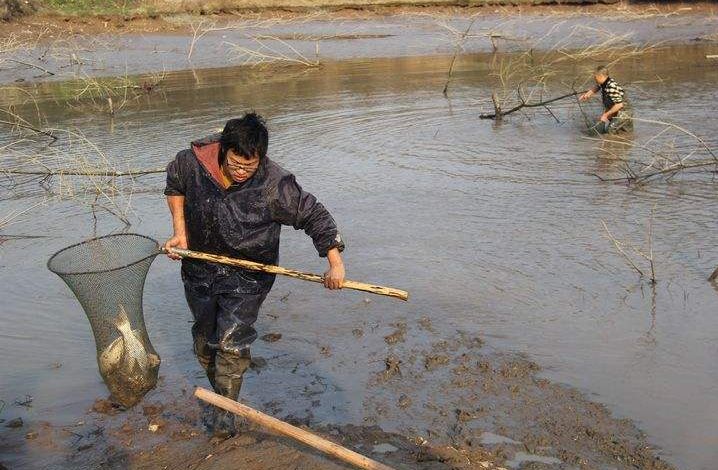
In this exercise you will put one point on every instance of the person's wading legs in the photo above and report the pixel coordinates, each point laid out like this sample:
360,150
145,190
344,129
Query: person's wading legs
235,316
204,310
622,122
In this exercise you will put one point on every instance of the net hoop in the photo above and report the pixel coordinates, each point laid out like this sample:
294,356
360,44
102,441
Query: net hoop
85,242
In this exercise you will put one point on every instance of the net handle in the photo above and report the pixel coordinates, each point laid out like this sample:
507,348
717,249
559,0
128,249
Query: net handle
273,269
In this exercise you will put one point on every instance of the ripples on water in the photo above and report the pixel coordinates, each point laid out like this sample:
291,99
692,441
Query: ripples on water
492,228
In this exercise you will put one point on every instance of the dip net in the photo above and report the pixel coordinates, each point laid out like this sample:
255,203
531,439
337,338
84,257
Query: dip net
107,275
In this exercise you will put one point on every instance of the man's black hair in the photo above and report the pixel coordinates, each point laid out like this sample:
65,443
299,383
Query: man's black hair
246,136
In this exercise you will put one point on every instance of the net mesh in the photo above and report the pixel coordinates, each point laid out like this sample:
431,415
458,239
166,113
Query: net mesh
107,275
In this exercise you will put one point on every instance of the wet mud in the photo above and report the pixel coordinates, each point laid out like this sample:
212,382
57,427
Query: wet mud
501,409
500,414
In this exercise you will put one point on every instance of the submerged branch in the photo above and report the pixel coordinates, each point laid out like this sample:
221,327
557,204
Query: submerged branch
619,248
663,163
29,127
644,177
498,114
28,64
459,45
83,173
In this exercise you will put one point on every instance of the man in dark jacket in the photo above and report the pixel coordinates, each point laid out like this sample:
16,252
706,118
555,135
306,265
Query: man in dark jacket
227,197
617,112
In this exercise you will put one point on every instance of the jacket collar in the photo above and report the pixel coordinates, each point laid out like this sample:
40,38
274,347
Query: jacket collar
206,150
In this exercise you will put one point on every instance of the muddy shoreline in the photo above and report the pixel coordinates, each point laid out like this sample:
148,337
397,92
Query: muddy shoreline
502,414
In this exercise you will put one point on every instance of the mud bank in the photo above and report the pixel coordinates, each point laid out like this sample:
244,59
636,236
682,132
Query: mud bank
455,404
13,8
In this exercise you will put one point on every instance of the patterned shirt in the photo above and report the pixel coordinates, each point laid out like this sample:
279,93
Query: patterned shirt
612,93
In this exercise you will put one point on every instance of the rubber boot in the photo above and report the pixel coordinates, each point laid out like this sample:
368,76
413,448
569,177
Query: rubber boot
208,364
228,381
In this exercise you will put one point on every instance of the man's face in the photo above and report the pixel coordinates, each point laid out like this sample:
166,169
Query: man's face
240,168
600,78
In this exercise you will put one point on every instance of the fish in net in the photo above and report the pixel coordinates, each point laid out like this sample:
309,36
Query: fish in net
107,275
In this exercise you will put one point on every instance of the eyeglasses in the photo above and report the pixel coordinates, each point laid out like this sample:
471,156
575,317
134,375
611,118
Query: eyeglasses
240,167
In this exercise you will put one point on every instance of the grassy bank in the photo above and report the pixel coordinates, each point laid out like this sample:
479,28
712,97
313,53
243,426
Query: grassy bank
152,8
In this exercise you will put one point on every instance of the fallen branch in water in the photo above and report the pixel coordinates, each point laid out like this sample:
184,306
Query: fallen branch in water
28,127
271,49
199,31
82,172
669,155
28,64
621,248
459,46
713,276
498,114
673,169
74,168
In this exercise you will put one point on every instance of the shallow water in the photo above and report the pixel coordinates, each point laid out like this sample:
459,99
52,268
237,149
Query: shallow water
494,229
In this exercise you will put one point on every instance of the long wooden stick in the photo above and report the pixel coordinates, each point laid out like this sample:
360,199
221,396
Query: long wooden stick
268,268
286,429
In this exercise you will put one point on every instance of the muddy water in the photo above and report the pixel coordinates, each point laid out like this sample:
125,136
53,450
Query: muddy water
494,229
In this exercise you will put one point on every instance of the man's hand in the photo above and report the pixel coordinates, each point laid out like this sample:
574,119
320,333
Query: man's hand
586,95
606,117
177,241
334,277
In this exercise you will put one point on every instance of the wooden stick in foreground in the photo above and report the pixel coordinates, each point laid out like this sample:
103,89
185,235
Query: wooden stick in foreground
286,429
268,268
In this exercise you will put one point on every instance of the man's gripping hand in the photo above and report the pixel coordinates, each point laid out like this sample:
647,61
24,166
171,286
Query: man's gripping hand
334,277
586,95
177,241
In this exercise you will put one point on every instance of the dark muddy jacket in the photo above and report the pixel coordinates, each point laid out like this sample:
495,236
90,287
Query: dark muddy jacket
244,220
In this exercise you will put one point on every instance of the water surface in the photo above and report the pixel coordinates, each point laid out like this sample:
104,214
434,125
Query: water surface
494,229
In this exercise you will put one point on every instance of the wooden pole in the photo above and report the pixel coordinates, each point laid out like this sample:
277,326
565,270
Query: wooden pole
268,268
287,429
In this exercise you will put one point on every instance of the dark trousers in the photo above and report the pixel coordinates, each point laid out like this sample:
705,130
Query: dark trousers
222,330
